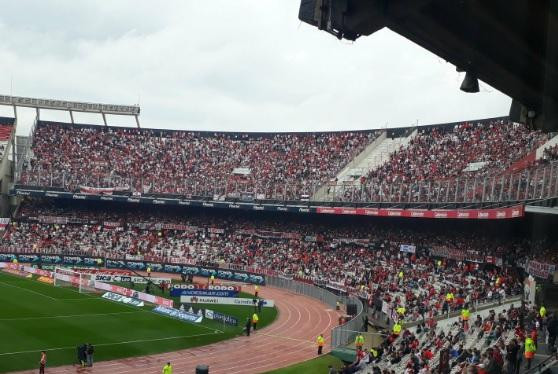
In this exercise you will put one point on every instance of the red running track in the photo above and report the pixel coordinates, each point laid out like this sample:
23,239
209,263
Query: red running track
288,340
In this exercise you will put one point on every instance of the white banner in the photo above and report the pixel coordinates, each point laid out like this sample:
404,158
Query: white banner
223,300
407,248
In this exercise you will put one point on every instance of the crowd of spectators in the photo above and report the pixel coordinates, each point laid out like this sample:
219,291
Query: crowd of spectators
551,153
366,259
349,255
494,342
440,153
189,163
468,162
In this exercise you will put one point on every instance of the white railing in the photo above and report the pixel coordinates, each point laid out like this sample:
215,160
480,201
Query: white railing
535,183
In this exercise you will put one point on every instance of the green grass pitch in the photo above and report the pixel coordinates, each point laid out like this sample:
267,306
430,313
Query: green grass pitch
35,316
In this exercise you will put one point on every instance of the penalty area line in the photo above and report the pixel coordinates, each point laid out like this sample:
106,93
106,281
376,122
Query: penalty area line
110,344
28,290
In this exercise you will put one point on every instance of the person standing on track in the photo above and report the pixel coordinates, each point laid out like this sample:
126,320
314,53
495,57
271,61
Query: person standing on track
248,326
255,320
149,271
320,341
167,369
256,290
89,350
42,363
212,279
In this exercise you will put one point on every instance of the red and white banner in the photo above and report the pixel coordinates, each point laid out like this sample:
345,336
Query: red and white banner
540,269
459,255
499,213
4,222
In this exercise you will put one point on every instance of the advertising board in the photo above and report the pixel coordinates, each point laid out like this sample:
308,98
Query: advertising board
202,271
216,316
175,313
126,278
122,299
196,289
133,293
223,301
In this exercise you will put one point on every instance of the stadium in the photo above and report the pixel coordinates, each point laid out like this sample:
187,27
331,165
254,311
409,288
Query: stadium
418,249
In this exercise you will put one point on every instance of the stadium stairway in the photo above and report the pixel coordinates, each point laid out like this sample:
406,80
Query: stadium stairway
550,143
373,156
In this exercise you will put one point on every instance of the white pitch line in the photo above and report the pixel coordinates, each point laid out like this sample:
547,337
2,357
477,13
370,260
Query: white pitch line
70,316
28,290
109,344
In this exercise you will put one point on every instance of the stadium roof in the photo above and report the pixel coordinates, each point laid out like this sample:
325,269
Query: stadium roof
511,45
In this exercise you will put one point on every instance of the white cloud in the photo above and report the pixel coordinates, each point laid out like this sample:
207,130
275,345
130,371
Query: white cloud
247,65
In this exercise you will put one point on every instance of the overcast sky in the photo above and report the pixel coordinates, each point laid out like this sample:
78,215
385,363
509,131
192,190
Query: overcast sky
242,65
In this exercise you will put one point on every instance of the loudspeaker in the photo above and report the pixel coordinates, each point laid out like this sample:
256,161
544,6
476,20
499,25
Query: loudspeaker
202,369
470,83
351,309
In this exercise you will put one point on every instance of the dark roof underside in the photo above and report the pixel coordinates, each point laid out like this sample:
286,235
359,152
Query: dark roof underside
510,44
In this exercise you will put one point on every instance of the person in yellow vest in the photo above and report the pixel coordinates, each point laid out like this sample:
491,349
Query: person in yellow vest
401,311
397,329
542,311
212,279
149,271
255,320
530,349
449,297
167,369
400,275
465,314
373,355
14,261
359,341
256,290
320,341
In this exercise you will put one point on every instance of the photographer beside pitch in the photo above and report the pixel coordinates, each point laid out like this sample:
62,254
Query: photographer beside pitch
42,363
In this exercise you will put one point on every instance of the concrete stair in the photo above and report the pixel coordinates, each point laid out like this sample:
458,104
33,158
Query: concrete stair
373,156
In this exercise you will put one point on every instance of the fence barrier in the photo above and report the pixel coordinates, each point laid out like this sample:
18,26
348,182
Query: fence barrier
340,335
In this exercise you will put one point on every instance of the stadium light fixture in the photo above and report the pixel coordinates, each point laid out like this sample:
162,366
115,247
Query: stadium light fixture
70,106
132,110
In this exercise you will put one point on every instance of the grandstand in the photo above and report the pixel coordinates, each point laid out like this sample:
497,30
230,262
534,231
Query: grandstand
416,250
472,164
338,214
